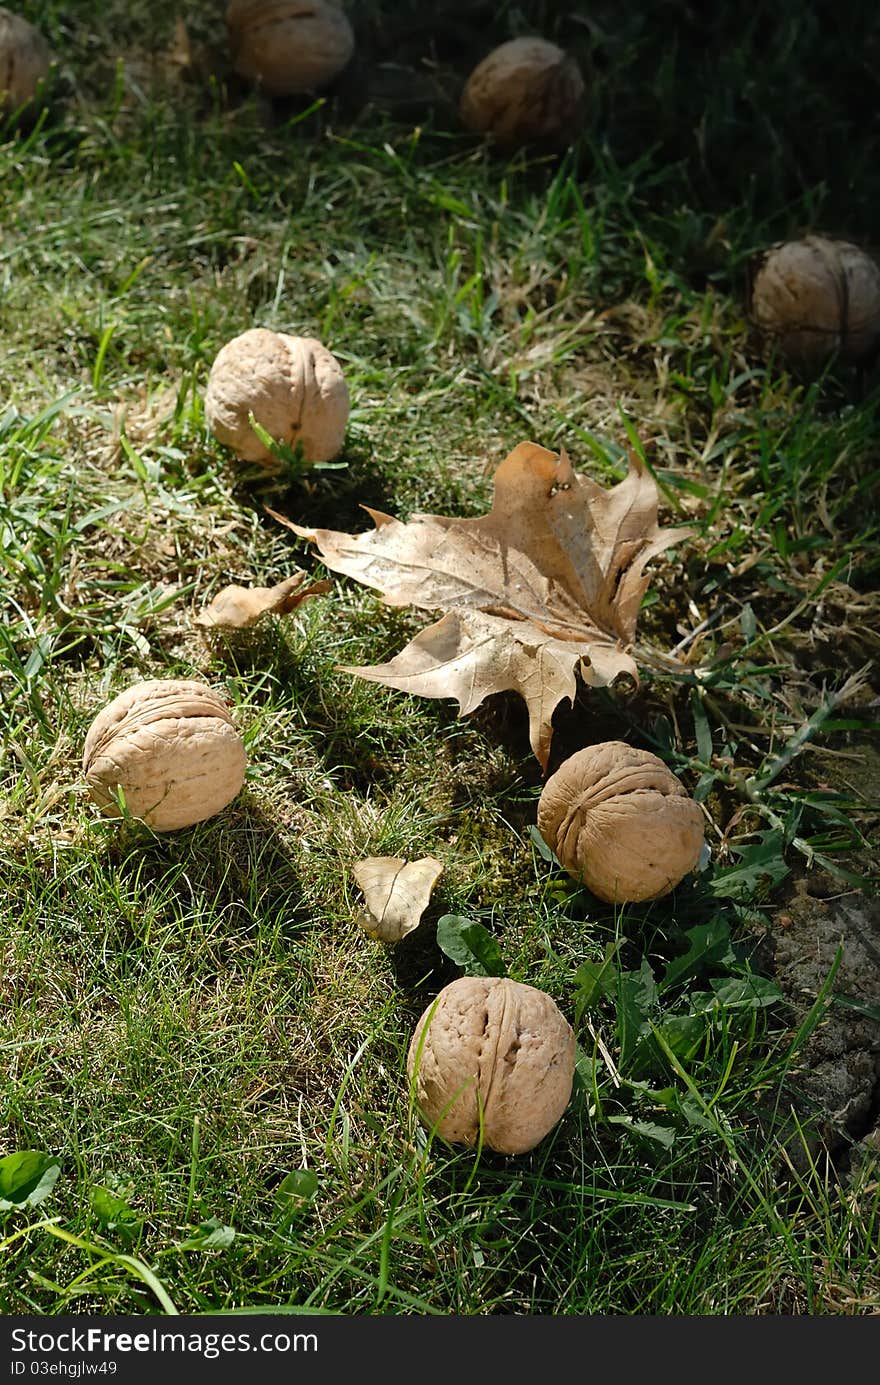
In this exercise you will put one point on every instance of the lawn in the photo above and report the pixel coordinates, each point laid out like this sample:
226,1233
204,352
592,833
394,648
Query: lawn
196,1033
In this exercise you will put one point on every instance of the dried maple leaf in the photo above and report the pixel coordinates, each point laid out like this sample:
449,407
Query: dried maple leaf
397,893
544,586
235,608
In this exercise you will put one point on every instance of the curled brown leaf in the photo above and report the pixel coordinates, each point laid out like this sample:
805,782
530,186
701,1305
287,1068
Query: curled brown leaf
235,607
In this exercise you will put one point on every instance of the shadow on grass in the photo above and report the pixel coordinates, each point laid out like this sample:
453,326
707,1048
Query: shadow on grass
356,741
319,499
419,967
220,878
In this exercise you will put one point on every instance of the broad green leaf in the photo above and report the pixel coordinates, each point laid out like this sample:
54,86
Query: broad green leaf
683,1033
761,868
113,1211
660,1096
693,1113
586,1069
704,787
707,945
595,980
541,846
296,1191
470,946
211,1235
26,1178
636,1000
744,992
663,1134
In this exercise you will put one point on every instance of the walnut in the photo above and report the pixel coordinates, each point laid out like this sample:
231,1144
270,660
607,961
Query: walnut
496,1047
818,297
171,746
25,59
527,89
289,46
620,822
294,388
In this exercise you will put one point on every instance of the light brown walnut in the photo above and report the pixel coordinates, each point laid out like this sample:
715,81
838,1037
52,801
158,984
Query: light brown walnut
621,822
171,747
294,388
493,1049
25,60
289,47
525,90
818,297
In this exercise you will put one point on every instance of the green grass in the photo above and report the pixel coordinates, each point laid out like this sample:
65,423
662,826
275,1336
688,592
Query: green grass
186,1020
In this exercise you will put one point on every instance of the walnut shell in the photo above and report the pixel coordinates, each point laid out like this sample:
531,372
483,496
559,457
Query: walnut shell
25,59
171,746
620,822
526,89
294,388
498,1045
818,297
288,46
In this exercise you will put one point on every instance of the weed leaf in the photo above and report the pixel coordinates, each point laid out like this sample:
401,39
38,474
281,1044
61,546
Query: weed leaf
595,980
708,945
636,1000
211,1235
113,1211
662,1134
541,846
761,868
26,1178
296,1192
470,945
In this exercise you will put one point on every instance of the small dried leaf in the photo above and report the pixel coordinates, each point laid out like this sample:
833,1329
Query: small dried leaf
235,608
397,893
